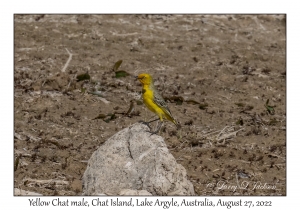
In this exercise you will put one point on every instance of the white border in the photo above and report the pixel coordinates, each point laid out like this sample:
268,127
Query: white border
153,6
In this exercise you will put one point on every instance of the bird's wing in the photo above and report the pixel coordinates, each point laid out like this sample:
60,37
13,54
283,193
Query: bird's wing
159,100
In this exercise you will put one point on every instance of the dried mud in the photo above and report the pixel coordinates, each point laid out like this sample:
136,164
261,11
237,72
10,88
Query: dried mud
223,76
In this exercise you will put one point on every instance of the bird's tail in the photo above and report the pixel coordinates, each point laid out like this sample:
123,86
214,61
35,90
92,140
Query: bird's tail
171,118
176,123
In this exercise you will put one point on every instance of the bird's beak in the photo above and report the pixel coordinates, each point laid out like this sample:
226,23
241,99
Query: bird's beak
136,77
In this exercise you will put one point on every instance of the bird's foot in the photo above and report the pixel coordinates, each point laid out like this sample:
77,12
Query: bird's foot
157,129
145,123
152,132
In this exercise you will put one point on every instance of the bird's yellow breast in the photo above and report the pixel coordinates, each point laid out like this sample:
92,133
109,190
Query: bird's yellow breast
148,99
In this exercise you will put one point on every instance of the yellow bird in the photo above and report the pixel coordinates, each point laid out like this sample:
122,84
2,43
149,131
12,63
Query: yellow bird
154,101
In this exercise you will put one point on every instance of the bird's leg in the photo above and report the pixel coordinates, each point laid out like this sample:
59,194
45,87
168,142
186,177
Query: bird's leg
153,120
147,123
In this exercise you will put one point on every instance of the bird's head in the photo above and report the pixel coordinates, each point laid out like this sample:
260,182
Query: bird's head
145,79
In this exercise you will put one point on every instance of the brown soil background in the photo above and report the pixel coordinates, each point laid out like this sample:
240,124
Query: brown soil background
216,71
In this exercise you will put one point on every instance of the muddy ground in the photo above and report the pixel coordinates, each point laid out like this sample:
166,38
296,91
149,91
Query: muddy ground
224,77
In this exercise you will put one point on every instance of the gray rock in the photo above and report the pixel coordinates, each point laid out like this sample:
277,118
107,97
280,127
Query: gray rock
18,192
134,192
136,160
